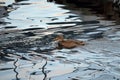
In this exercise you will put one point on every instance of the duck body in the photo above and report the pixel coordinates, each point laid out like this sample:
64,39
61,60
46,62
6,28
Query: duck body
67,43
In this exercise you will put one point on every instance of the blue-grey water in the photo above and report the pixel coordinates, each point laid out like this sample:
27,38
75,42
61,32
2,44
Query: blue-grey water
35,14
26,43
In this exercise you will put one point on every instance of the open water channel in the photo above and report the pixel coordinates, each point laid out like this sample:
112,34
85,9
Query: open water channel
26,43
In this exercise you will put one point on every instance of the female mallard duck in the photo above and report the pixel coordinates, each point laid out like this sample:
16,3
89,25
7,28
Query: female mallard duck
67,43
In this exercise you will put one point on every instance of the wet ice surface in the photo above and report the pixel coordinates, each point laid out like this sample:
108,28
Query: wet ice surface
27,53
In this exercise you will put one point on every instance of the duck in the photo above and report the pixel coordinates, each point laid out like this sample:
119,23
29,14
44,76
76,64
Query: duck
67,43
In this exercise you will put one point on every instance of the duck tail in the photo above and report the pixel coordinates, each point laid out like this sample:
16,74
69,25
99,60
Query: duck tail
80,42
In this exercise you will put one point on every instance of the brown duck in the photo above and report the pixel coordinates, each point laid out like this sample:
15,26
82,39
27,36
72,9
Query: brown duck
67,43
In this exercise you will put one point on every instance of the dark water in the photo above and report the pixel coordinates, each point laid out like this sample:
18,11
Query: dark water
27,51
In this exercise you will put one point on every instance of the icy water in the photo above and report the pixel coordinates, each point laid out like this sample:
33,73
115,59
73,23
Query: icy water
27,51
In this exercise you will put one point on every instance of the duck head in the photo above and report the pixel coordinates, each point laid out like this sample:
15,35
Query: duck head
59,38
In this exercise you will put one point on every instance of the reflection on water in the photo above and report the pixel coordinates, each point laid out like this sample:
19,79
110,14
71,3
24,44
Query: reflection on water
29,54
107,10
35,14
15,70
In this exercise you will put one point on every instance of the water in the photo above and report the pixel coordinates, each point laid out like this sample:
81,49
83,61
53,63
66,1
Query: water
35,14
26,43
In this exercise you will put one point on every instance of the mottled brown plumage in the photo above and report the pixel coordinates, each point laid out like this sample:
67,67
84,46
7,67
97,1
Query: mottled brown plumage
67,43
